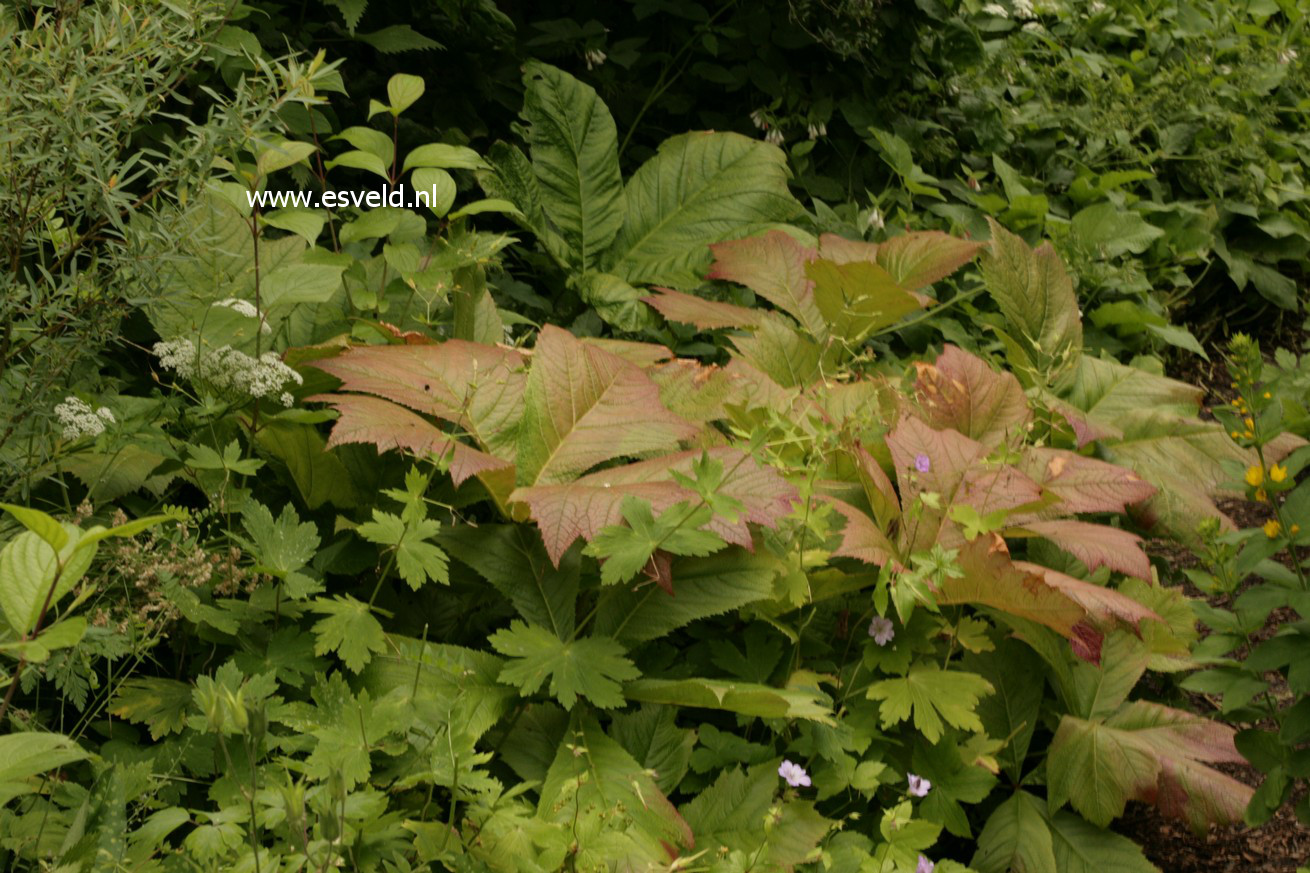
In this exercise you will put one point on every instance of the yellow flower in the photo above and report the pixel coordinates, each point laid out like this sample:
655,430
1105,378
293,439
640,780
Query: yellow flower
1250,424
1254,475
1294,529
1261,496
1268,396
1249,434
1277,473
1235,435
1272,528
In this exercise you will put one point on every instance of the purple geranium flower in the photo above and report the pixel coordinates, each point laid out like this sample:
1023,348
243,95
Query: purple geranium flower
794,774
881,630
919,786
922,463
925,866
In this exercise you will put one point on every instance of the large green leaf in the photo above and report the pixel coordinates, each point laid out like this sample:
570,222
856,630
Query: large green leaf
589,667
1110,232
24,755
745,698
1016,838
1150,753
593,773
512,558
1012,711
1036,296
704,587
28,570
934,697
447,683
1184,458
652,736
739,812
858,298
1107,390
1082,847
699,188
1022,836
574,148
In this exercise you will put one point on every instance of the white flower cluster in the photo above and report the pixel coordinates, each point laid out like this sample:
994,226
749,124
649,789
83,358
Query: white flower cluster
228,370
1287,55
246,308
1023,8
996,10
818,130
80,421
594,58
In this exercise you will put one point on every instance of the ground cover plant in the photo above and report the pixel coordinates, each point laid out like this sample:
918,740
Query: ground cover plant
624,506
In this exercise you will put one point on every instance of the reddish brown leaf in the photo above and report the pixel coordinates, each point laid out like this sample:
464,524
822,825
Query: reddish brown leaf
1085,484
583,406
961,391
365,419
914,260
1096,545
861,539
1104,606
642,354
773,266
477,387
407,337
659,569
992,579
705,314
1151,753
582,507
918,259
695,391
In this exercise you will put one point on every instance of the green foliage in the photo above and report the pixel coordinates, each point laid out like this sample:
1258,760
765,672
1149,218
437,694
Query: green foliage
827,562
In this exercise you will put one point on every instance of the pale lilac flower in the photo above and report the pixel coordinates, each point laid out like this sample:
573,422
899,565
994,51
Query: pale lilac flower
881,630
925,866
794,774
922,463
919,786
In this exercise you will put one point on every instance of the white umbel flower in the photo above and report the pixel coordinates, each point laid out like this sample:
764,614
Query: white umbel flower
995,9
1023,8
246,308
79,420
229,370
